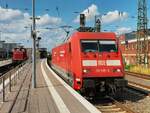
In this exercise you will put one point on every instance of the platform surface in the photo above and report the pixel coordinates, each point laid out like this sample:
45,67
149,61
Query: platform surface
51,95
5,62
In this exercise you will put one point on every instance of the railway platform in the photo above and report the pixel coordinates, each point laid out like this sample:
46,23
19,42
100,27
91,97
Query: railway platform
5,62
51,95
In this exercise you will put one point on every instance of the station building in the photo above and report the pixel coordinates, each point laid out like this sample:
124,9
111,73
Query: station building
6,49
128,45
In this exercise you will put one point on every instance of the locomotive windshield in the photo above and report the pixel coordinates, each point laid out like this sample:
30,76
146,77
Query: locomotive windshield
98,46
89,45
107,46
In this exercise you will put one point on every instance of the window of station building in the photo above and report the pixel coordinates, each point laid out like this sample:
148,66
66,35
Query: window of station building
126,47
136,46
132,46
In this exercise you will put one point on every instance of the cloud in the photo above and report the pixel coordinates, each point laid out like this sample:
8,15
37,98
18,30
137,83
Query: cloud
113,16
109,17
123,30
90,13
9,14
48,20
13,22
53,37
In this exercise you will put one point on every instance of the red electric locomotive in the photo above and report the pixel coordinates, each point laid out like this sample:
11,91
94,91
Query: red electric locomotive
19,54
91,62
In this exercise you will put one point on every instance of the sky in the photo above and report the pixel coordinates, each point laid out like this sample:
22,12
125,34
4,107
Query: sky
117,16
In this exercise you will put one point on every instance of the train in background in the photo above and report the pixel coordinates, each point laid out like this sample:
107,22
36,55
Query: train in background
19,54
43,52
12,51
90,61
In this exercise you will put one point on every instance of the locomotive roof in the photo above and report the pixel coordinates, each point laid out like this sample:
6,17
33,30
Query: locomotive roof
19,48
94,35
90,35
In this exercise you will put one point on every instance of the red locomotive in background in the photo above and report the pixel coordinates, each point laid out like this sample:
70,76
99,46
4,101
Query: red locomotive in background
91,62
19,54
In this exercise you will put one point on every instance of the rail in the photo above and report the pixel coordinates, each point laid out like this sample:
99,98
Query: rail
139,75
113,106
9,79
145,88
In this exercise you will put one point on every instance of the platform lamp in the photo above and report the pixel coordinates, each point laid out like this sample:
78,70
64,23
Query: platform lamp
38,42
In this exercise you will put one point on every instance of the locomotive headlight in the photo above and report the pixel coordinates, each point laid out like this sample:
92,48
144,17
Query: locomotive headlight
78,79
116,70
86,71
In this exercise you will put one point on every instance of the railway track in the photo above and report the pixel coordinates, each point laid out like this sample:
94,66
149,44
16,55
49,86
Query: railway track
139,85
117,104
143,76
111,105
6,68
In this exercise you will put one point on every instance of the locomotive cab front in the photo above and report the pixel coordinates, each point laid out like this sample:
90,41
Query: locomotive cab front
102,66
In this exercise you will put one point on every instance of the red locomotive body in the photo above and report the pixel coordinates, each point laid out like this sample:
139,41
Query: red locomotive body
90,62
19,54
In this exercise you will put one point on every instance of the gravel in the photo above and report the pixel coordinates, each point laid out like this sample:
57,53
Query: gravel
136,102
141,106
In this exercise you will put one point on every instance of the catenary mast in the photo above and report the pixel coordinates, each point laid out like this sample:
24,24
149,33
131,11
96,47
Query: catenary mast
142,34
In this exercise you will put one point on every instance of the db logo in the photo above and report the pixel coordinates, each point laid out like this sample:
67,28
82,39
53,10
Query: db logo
101,62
